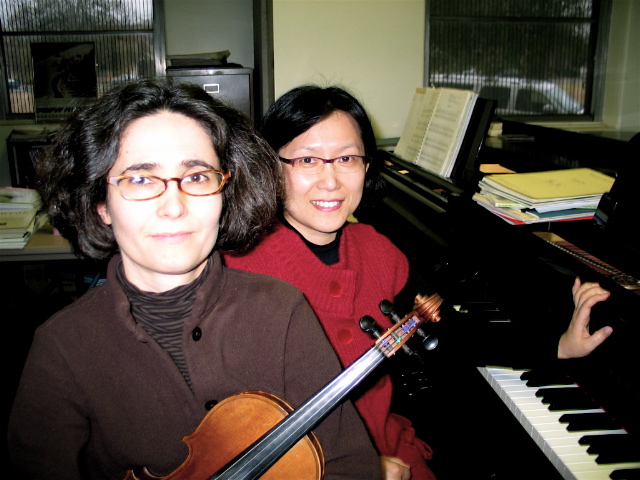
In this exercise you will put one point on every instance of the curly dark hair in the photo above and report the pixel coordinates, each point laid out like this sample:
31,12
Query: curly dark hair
71,177
301,108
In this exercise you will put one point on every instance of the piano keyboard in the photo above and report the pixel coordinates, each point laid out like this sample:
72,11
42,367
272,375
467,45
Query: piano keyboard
544,411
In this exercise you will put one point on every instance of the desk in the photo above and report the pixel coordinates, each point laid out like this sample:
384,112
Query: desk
43,246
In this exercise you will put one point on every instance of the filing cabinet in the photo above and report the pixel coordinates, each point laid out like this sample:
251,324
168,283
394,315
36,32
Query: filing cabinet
234,86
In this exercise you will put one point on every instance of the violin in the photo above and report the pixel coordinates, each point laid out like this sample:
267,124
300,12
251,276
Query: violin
276,440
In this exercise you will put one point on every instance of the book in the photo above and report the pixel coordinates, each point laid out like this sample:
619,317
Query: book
552,184
19,237
435,127
13,243
18,207
16,218
500,199
18,232
11,196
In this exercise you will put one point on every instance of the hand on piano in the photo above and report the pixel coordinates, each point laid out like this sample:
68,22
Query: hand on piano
394,469
577,341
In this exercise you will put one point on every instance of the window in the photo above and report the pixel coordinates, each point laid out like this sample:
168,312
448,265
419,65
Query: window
537,58
125,39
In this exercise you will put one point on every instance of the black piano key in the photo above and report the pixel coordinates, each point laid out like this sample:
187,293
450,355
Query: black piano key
625,474
589,421
565,399
541,378
617,456
615,440
616,448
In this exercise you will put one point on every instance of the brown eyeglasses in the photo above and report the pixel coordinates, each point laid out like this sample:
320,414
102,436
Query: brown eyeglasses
145,187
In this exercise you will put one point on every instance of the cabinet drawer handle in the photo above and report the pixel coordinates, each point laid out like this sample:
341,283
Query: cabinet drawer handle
211,87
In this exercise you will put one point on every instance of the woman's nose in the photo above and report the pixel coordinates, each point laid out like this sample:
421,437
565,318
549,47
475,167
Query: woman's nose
328,178
173,200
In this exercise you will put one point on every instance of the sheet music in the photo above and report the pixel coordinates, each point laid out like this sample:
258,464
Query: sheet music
416,125
446,130
435,127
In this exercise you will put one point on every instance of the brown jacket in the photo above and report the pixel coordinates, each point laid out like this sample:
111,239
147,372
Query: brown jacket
98,395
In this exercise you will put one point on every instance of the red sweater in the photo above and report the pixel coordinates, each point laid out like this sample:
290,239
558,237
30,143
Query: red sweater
370,269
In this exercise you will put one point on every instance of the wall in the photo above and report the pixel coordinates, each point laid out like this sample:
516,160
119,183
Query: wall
201,26
374,48
622,90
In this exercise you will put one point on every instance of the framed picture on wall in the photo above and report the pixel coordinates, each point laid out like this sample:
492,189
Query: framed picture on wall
64,77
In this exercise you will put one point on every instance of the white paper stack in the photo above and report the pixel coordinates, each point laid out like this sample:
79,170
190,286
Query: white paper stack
19,216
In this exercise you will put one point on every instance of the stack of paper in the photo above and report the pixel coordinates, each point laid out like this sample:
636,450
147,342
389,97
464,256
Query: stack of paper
199,59
19,216
544,196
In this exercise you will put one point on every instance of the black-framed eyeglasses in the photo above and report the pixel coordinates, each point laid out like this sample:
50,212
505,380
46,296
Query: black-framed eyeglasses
145,187
341,164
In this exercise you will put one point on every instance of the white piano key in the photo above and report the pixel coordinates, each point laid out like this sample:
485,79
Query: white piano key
598,474
588,471
602,472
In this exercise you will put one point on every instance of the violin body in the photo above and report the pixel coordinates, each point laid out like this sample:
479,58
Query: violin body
233,425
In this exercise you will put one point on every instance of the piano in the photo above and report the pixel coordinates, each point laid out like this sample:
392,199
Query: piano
480,402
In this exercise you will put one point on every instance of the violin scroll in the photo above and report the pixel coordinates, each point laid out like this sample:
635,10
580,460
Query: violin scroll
428,308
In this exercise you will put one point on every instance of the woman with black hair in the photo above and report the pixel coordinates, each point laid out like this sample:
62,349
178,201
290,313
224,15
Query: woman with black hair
327,146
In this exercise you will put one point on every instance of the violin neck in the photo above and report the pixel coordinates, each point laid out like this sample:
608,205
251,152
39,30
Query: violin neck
266,451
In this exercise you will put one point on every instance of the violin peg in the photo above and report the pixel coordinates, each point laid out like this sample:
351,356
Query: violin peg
369,325
387,308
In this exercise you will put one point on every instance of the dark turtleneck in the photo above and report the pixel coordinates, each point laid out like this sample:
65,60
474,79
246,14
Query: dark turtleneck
328,254
162,315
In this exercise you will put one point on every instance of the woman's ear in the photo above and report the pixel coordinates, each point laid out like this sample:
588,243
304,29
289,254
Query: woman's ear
103,211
